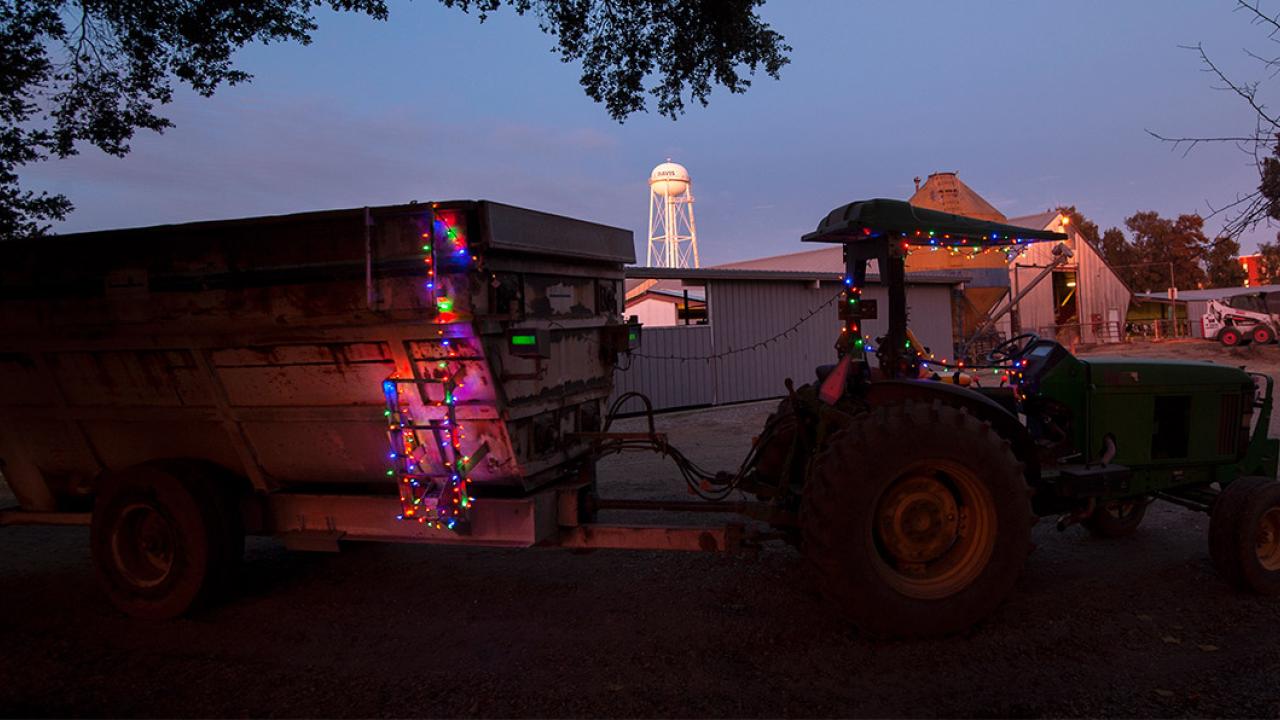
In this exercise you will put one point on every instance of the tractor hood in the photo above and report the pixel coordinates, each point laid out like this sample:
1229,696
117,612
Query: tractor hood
1115,372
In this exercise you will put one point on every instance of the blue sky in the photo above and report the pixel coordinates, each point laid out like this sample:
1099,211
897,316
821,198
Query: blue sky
1034,103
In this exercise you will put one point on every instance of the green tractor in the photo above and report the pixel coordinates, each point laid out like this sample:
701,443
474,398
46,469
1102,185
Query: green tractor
914,498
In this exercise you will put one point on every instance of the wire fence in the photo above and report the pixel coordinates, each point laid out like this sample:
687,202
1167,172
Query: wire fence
1104,333
1158,329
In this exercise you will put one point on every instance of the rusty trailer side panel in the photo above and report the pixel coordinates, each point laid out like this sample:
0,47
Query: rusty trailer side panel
261,345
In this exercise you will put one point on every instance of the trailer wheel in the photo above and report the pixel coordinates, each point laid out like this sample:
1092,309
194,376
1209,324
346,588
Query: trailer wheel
1230,337
1116,519
1244,535
165,538
1262,335
917,520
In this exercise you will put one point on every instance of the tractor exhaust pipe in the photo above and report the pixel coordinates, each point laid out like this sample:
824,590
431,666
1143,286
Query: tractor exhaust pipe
1108,450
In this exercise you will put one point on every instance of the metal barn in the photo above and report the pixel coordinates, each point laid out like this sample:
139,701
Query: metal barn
1084,299
755,337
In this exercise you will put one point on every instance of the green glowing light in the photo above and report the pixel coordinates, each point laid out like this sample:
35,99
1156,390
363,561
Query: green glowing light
444,304
524,340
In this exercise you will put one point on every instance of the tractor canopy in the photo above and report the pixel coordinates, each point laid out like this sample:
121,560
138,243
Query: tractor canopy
901,221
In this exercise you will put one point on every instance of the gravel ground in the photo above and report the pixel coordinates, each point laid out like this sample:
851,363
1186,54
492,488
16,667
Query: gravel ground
1137,627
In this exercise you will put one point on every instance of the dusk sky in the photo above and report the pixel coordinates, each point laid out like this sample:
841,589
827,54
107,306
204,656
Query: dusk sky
1034,103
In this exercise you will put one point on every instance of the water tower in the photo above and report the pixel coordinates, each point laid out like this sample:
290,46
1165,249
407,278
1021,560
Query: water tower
673,238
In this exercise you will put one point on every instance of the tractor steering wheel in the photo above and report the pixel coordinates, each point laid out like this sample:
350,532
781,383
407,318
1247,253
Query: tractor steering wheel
1012,349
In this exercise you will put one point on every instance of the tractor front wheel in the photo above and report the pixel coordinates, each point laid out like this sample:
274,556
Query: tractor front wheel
916,518
1230,337
1116,519
1244,534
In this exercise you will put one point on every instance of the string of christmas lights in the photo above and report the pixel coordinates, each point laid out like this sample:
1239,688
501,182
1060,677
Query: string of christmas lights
748,348
434,478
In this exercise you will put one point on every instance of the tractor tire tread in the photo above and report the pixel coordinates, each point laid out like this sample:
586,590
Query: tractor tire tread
1233,521
872,445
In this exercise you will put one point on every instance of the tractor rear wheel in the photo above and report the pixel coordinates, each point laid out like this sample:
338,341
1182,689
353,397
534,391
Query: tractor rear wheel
1230,337
1116,519
917,520
1244,535
1262,335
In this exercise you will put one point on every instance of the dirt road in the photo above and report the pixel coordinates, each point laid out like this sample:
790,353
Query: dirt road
1139,627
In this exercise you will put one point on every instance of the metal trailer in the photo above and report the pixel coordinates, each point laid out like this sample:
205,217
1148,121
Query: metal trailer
430,373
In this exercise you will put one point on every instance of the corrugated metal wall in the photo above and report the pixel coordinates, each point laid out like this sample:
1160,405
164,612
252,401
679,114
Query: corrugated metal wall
1103,297
1035,309
1195,316
669,383
746,312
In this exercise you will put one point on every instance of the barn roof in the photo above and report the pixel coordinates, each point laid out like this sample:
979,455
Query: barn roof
944,191
1211,293
637,287
720,273
824,259
1038,220
696,294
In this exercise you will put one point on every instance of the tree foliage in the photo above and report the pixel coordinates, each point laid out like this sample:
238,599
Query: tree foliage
688,45
1261,143
1172,250
1086,227
1269,263
1222,264
1162,250
1118,252
93,72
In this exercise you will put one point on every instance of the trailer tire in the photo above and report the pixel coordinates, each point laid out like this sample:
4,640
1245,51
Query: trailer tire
1262,335
917,520
166,537
1116,519
1244,535
1230,336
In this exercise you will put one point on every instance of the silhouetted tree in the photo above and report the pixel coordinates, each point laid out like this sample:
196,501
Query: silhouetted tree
95,71
1120,255
1088,229
1262,142
1222,265
1269,263
1161,243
